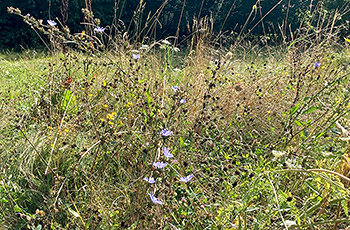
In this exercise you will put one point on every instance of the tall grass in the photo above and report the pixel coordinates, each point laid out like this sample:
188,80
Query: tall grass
254,126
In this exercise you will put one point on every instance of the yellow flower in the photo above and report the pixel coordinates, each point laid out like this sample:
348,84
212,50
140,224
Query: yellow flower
110,116
82,33
129,104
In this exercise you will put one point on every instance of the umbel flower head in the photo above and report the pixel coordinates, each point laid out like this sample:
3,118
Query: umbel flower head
154,199
51,22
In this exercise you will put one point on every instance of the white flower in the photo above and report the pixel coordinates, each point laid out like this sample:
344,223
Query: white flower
154,199
166,42
292,164
51,22
186,179
327,154
99,29
159,165
167,153
144,47
150,180
278,154
289,223
175,88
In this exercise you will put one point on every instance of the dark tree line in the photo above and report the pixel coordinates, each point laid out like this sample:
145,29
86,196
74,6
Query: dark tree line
174,17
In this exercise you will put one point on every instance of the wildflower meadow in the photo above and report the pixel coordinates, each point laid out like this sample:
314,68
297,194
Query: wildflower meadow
103,131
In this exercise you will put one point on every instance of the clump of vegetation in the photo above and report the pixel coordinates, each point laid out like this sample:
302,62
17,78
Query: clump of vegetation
151,137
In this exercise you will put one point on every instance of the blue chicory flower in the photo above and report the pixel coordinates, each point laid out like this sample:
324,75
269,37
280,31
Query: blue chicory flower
167,153
150,180
186,179
183,101
136,56
51,22
317,64
175,88
154,199
99,29
166,133
159,165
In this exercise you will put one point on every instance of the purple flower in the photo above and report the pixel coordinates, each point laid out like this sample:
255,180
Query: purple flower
166,133
175,88
150,180
159,165
317,64
154,199
136,56
183,101
167,153
186,179
51,22
99,29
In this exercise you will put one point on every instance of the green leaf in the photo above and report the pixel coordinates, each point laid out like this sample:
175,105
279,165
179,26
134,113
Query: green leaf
345,207
17,209
294,109
310,110
149,99
68,102
182,142
298,123
321,134
304,134
55,99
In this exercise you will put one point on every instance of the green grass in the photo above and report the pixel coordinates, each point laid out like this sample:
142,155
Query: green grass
74,155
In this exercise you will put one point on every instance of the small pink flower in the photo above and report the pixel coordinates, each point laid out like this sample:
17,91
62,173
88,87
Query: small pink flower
175,161
183,199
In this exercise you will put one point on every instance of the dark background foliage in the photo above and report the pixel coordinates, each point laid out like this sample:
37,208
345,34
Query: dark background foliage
227,15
